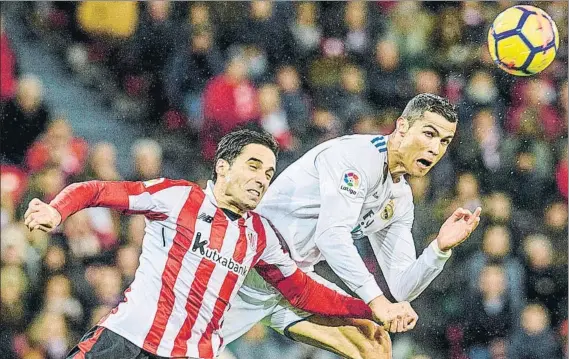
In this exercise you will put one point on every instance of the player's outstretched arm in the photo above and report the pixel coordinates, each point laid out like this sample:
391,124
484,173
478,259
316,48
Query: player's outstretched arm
135,197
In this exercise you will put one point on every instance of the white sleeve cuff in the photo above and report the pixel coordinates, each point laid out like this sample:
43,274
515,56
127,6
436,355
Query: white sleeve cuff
434,257
369,290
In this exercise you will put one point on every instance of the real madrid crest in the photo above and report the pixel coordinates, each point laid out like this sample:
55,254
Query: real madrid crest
388,210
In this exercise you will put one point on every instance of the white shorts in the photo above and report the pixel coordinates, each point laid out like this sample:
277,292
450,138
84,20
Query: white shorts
257,301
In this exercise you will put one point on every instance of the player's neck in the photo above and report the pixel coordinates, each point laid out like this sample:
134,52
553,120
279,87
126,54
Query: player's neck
394,164
224,201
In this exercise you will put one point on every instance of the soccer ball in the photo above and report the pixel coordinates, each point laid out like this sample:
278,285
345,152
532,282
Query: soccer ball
523,40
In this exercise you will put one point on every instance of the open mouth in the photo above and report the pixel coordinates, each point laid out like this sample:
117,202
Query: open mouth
424,163
254,192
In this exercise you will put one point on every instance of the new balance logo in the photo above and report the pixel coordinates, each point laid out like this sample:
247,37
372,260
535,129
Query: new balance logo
205,217
200,248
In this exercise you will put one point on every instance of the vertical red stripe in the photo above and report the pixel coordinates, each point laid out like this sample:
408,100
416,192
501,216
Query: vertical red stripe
204,346
199,285
261,238
86,345
181,244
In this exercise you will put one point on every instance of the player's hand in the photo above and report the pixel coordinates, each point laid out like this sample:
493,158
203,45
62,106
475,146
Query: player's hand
395,317
42,216
457,228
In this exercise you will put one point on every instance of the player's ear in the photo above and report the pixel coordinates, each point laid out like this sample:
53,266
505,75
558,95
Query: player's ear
402,126
221,167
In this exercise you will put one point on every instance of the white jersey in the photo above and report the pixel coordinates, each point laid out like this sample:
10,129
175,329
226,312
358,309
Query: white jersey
341,191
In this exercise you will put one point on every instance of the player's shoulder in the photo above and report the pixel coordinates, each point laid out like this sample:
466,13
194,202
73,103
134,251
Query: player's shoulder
158,184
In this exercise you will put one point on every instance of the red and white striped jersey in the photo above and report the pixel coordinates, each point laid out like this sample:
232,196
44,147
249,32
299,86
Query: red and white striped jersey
194,259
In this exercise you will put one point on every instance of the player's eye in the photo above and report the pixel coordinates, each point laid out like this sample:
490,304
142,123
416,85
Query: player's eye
429,134
253,167
445,142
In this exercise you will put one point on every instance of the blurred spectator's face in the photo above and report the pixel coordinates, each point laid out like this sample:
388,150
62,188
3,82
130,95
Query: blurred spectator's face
261,10
148,164
467,186
323,119
58,287
12,284
201,42
355,15
534,319
419,186
492,281
483,123
237,70
556,216
103,161
288,80
427,81
306,13
244,182
199,14
59,133
159,10
481,87
525,162
450,25
14,245
387,55
51,181
136,225
269,100
366,125
352,79
108,285
536,92
29,94
127,260
54,258
539,251
496,242
420,143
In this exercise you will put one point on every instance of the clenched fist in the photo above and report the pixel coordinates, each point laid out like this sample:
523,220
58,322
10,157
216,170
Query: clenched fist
42,216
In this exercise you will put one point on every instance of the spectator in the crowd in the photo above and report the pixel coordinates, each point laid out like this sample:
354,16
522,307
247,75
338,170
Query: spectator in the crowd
357,38
351,103
8,66
324,125
229,100
305,31
496,249
102,163
189,69
389,85
272,117
545,283
561,173
51,332
147,159
81,237
152,44
535,339
428,81
489,312
536,99
58,299
107,283
43,185
555,227
60,148
480,93
24,118
294,100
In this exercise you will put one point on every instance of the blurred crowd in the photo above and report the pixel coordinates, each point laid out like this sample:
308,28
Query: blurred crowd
305,72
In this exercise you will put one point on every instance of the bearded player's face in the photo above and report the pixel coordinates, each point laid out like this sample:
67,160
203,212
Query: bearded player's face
425,143
249,176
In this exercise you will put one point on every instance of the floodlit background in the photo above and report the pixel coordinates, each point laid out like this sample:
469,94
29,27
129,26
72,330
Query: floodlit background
135,91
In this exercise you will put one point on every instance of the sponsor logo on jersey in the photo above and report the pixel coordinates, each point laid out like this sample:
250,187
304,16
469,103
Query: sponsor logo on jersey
199,247
350,183
387,211
205,217
152,182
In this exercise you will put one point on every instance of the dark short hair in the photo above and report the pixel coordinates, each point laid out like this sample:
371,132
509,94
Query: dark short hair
429,102
231,145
